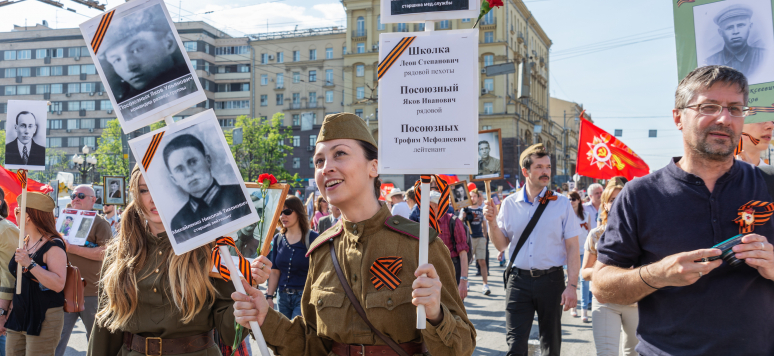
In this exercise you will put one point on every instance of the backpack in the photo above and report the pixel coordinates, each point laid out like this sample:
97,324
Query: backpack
452,222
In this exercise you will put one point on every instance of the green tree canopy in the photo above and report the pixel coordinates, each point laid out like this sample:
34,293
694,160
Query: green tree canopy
110,153
263,148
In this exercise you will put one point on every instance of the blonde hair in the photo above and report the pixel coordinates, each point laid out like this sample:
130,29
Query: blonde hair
609,190
127,254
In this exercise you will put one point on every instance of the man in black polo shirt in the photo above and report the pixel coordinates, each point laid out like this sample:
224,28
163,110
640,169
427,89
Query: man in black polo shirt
662,224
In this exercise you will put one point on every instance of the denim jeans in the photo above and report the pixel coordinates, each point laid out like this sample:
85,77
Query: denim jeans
585,296
2,345
290,304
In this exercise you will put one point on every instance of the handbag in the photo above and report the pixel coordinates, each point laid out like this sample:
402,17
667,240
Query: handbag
73,289
523,239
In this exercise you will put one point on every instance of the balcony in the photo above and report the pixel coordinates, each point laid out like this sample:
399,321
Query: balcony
305,106
359,35
488,25
280,86
328,83
295,106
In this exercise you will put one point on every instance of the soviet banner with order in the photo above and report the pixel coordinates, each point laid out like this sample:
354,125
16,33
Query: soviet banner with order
602,156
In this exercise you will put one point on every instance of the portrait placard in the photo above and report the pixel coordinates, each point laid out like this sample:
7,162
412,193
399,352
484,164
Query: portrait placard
74,225
54,194
25,135
99,192
428,102
401,11
490,156
271,206
460,196
114,190
142,63
734,33
194,181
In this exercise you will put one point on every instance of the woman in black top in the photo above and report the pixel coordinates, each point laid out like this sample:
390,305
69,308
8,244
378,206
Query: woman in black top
36,319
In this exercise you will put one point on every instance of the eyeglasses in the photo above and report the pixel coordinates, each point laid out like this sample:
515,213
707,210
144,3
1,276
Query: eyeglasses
716,109
79,196
287,212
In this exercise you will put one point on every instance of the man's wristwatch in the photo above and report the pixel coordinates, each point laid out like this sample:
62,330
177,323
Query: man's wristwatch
463,278
3,312
270,296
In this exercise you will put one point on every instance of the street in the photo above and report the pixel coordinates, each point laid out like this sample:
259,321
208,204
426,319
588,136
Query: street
486,312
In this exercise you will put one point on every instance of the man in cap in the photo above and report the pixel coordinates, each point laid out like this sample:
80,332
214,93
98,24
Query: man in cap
399,207
734,27
142,51
23,150
486,163
536,278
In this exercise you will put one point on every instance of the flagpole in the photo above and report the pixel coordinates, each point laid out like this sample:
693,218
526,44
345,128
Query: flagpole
424,242
22,221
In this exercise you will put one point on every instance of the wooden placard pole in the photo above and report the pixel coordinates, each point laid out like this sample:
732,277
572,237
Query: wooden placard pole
225,257
424,243
22,221
488,189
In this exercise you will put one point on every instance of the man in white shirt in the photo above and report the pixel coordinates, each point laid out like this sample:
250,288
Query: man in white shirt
399,207
592,207
536,280
755,140
112,217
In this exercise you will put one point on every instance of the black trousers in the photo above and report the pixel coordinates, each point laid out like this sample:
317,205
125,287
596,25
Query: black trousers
457,268
526,295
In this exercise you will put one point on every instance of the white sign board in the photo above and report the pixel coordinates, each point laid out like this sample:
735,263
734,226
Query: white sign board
428,102
74,225
395,11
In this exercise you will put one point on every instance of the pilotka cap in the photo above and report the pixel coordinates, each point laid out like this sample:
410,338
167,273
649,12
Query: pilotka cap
38,201
345,126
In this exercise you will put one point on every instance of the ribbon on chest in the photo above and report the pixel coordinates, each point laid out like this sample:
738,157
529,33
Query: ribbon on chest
748,218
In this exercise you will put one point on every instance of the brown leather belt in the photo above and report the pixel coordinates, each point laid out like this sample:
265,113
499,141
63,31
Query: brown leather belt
153,346
411,348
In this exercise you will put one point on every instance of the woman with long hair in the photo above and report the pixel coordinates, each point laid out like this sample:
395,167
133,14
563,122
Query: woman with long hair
9,237
321,211
150,297
288,256
37,314
370,259
585,219
609,319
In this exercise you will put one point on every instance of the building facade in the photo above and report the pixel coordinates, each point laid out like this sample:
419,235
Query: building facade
565,117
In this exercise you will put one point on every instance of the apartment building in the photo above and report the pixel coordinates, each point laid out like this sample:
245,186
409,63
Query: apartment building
565,124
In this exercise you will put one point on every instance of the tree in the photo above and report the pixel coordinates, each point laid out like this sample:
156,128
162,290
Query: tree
56,161
263,148
2,149
110,151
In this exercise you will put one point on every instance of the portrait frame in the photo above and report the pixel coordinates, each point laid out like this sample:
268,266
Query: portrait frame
106,181
54,194
99,192
279,190
495,139
37,156
457,205
168,91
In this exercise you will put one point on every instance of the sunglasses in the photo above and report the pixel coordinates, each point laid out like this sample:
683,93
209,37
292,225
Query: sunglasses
287,212
573,199
79,196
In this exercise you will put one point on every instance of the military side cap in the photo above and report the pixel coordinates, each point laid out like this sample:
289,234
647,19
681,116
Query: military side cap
531,150
38,201
732,11
345,125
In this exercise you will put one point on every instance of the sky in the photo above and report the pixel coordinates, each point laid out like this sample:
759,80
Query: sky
617,59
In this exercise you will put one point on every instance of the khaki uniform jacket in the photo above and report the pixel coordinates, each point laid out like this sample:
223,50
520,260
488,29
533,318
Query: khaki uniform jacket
489,166
157,315
327,314
9,242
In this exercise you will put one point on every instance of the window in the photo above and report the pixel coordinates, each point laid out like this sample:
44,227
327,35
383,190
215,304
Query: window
444,25
232,104
74,70
296,77
329,76
296,120
280,99
489,85
421,26
360,31
312,76
312,140
10,72
359,112
55,124
56,70
87,124
488,36
379,24
296,98
74,52
344,50
10,90
73,88
264,79
264,100
42,89
652,133
88,87
103,123
243,68
88,69
56,106
105,105
313,97
23,90
244,86
56,88
486,127
54,141
9,55
73,106
361,47
57,53
296,56
402,27
296,141
488,18
329,96
88,105
90,141
41,53
312,54
280,57
43,71
328,53
264,58
488,60
618,133
23,72
311,161
72,124
488,108
296,162
190,46
465,20
220,51
280,80
360,94
359,70
73,142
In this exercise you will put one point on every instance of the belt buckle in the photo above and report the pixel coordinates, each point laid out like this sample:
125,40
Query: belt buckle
532,273
161,342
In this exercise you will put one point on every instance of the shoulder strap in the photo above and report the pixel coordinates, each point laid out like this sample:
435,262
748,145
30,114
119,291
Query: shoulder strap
768,176
306,239
393,345
524,236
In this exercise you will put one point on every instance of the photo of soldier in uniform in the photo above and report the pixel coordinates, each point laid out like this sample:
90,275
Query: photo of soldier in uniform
193,178
98,193
66,226
490,165
114,195
83,229
460,196
738,34
25,138
143,63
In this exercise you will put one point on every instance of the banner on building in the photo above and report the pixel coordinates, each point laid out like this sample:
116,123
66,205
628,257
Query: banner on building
734,33
428,102
402,11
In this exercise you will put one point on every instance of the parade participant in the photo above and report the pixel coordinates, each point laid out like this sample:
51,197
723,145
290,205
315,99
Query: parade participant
592,206
399,207
755,140
112,217
9,241
88,259
36,317
585,220
346,170
663,223
536,279
288,256
330,220
457,244
155,302
473,215
321,211
609,319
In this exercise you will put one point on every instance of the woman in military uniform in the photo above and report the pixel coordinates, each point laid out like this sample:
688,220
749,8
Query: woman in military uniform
150,297
367,240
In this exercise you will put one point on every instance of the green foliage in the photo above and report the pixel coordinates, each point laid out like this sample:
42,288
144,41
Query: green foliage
56,161
157,125
263,148
110,152
2,149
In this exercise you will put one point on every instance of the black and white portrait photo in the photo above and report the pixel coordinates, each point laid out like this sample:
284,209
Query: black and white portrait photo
490,165
194,181
98,194
460,196
143,63
114,190
738,34
25,135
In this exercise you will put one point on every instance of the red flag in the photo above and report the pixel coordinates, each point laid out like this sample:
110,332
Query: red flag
385,190
12,188
602,156
450,179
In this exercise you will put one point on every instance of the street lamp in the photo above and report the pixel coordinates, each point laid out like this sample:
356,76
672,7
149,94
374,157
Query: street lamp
84,163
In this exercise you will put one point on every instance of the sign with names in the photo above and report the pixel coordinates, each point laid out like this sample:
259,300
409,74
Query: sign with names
401,11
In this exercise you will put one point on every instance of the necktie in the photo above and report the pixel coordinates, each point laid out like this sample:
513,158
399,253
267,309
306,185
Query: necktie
24,155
